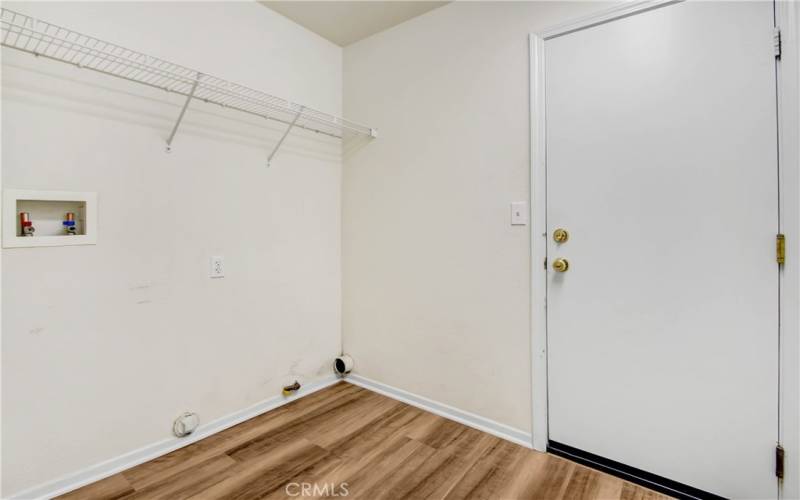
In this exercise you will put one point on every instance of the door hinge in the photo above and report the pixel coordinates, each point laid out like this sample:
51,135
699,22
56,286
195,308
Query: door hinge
776,42
779,461
780,248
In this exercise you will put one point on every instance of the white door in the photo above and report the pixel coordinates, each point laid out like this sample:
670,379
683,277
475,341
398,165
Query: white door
661,165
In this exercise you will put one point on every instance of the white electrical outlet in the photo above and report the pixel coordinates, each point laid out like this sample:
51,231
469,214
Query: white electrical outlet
217,269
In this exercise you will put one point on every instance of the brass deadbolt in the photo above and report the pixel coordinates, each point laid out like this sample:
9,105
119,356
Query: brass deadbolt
560,265
560,235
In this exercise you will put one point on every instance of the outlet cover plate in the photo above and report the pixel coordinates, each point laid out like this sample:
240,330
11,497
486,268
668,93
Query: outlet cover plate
216,267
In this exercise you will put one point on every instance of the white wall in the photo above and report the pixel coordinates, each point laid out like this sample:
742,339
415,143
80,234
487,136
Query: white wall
436,296
103,346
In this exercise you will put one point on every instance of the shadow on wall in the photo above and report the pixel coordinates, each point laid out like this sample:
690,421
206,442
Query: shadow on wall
354,143
42,82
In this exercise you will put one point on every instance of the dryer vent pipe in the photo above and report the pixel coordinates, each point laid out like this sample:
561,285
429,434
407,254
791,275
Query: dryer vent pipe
343,365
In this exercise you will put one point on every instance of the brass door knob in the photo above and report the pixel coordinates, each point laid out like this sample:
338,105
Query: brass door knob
560,235
560,265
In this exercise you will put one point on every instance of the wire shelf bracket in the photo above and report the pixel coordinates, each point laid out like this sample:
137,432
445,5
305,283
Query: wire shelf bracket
283,137
44,39
183,112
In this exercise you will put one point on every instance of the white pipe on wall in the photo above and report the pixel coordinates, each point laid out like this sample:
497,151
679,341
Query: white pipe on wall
343,365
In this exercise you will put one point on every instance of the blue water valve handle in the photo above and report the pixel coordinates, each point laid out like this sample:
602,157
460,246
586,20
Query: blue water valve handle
68,222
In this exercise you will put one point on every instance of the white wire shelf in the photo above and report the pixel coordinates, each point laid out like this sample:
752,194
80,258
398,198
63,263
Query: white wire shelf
41,38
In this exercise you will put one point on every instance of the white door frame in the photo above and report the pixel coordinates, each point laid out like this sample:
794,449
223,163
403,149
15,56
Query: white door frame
788,427
787,16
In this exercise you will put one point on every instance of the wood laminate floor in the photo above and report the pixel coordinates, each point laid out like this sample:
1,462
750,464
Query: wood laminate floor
379,447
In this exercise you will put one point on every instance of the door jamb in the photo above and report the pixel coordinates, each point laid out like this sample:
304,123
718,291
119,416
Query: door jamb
787,18
538,218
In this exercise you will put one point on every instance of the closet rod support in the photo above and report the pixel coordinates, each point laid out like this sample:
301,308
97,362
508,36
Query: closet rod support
183,112
288,129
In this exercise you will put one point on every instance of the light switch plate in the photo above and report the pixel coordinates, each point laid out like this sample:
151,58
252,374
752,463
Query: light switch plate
519,213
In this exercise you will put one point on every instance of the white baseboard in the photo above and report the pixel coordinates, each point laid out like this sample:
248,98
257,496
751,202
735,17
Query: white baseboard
110,467
462,417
